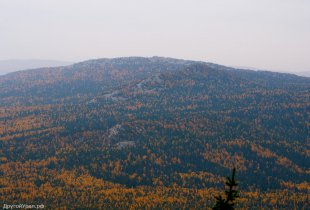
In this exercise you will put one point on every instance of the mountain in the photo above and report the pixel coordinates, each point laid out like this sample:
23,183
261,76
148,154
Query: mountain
8,66
153,133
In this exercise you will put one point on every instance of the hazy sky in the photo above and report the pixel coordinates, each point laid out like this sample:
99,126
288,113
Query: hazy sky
266,34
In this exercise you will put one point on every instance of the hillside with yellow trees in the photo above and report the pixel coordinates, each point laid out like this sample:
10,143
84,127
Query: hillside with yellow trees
153,133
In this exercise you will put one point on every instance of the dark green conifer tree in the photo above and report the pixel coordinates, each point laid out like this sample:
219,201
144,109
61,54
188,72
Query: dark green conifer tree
231,195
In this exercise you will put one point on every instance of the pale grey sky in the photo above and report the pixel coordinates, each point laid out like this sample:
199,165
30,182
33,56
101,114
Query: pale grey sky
266,34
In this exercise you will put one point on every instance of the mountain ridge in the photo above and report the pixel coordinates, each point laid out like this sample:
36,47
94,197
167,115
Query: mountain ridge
151,59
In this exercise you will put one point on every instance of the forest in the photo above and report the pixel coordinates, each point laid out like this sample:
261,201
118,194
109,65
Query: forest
153,133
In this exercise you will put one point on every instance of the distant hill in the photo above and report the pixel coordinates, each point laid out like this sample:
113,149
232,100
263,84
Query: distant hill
303,73
7,66
299,73
155,133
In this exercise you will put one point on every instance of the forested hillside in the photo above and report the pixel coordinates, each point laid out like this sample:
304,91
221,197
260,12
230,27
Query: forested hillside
153,133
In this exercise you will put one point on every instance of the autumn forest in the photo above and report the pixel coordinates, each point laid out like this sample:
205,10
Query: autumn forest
153,133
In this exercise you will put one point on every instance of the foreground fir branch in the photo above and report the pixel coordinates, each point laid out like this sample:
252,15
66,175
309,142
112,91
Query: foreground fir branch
231,195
